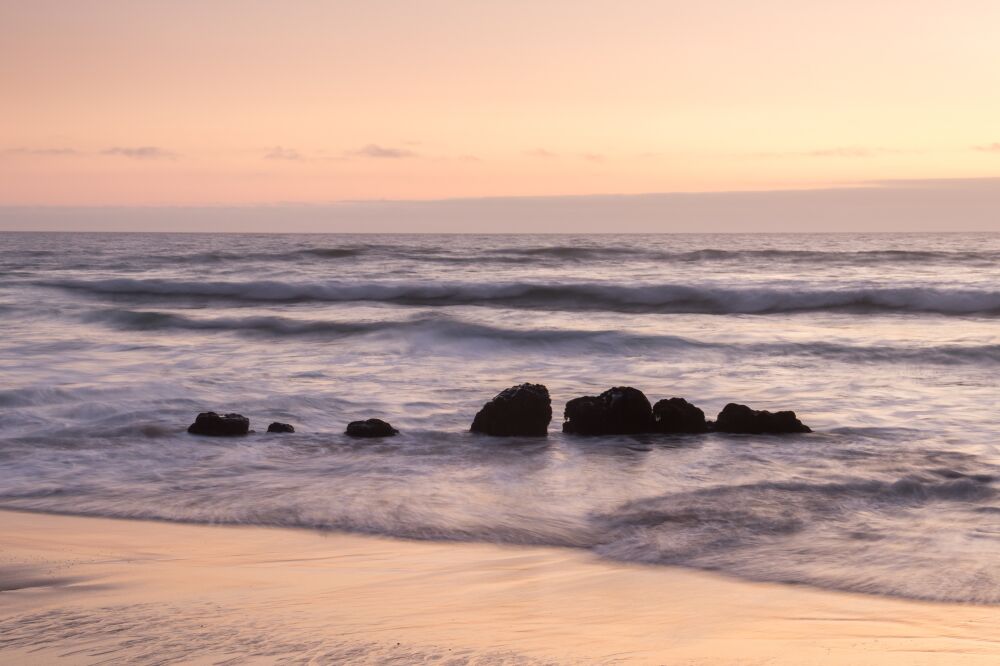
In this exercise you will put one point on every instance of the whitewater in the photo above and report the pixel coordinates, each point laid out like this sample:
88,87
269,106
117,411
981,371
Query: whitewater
887,345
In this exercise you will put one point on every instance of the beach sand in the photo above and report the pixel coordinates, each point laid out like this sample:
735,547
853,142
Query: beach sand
90,590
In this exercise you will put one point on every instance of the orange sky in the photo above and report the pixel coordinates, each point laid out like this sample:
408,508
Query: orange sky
146,102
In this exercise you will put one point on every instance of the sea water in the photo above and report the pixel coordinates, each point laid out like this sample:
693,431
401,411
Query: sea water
888,346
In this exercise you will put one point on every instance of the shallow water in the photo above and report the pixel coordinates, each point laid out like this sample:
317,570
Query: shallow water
887,345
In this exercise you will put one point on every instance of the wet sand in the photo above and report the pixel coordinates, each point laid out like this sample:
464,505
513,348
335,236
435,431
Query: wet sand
89,590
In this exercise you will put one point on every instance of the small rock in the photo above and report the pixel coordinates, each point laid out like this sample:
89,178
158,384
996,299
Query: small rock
370,428
621,410
214,425
524,410
677,415
280,427
741,419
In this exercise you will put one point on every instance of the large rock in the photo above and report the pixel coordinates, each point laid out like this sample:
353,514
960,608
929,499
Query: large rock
621,410
280,427
741,419
216,425
519,410
370,428
677,415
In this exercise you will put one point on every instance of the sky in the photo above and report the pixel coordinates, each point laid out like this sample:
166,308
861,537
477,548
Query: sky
236,104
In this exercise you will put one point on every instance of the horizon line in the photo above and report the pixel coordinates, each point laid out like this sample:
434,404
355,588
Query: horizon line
865,185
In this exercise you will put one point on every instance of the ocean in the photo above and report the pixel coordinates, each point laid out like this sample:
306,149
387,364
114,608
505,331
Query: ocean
887,345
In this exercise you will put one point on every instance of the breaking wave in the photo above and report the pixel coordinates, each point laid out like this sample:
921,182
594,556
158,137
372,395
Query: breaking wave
448,330
737,529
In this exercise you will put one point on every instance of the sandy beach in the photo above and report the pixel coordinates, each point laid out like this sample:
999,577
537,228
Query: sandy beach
87,590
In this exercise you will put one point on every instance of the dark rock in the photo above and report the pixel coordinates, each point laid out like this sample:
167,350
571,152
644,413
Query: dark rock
741,419
621,410
370,428
585,416
280,427
679,416
215,425
519,410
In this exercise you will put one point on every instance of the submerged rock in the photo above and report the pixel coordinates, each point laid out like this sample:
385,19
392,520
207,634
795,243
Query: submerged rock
370,428
677,415
214,425
741,419
519,410
621,410
280,427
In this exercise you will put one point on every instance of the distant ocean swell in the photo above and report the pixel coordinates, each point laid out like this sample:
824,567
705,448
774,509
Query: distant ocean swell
571,296
573,254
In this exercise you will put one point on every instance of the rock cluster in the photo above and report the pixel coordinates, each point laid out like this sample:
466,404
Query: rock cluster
233,425
621,410
525,410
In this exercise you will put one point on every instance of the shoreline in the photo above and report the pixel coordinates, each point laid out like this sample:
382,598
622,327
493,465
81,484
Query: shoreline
87,590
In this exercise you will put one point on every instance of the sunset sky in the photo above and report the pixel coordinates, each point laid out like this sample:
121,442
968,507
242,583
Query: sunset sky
236,102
